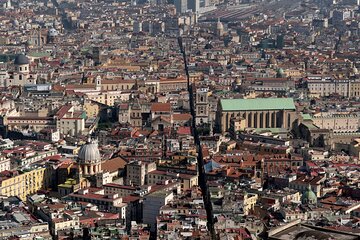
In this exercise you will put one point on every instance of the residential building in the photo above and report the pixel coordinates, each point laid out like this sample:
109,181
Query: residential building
136,172
14,183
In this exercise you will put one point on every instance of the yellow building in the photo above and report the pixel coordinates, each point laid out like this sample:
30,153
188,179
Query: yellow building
108,97
92,109
237,124
249,202
294,73
23,184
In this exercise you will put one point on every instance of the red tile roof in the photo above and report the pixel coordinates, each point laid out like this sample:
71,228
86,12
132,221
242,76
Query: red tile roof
161,107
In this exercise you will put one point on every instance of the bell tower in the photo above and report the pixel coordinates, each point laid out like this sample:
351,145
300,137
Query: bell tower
202,106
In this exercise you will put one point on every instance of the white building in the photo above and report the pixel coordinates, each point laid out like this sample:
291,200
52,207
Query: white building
152,204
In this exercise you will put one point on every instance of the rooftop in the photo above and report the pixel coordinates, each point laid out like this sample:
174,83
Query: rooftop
257,104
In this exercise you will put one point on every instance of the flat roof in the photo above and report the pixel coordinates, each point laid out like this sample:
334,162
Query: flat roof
257,104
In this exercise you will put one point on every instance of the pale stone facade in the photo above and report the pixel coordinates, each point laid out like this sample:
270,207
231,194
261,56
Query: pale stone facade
337,122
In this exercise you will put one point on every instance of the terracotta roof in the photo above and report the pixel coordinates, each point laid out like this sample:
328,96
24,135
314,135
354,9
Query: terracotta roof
181,117
184,131
161,107
117,81
113,164
84,86
63,110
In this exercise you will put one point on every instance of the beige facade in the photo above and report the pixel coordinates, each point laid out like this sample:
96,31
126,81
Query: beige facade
35,123
249,202
202,106
92,109
187,180
22,76
5,164
136,172
355,89
62,224
117,84
325,86
135,116
337,122
294,73
237,124
169,85
72,126
121,190
108,97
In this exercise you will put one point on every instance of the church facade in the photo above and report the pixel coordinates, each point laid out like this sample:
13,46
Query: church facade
21,76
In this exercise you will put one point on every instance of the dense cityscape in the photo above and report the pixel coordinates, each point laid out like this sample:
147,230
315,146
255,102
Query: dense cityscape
179,119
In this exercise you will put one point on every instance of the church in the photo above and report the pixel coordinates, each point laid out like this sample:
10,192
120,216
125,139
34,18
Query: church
22,74
89,164
256,113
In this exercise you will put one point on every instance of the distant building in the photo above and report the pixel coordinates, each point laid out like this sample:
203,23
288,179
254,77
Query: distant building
181,5
320,86
194,5
337,122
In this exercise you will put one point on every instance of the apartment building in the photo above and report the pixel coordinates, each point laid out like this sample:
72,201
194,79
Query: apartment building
14,183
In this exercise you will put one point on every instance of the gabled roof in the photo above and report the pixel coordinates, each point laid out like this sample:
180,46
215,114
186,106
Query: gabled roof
113,164
161,107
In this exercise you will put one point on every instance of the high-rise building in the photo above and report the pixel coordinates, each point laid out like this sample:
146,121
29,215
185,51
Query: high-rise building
96,55
137,26
194,5
181,5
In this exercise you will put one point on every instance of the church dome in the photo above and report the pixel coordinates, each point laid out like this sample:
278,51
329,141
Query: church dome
89,153
280,73
21,60
309,196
